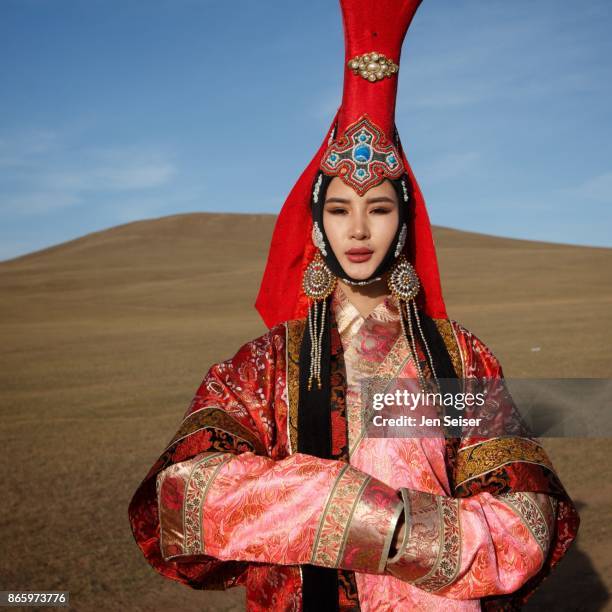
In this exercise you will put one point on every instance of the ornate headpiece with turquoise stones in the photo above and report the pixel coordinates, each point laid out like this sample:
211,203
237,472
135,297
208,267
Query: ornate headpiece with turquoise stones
362,157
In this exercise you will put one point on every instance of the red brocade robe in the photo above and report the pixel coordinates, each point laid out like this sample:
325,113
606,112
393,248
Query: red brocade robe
231,502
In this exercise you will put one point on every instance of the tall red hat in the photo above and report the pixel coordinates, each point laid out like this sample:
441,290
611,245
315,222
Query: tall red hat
374,31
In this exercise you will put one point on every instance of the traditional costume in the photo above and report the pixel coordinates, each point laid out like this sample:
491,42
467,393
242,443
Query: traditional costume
270,481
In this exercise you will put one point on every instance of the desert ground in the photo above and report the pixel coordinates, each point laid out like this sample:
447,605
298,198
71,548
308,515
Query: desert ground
106,338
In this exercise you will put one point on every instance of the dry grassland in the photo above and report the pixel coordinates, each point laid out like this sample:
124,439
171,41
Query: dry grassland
106,338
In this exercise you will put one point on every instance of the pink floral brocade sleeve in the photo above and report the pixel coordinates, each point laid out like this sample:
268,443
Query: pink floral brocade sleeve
301,509
232,490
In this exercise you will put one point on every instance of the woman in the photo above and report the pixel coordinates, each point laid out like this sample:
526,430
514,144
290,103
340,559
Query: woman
271,481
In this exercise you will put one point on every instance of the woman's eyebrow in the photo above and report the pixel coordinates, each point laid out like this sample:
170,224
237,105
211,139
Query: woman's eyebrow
380,199
337,199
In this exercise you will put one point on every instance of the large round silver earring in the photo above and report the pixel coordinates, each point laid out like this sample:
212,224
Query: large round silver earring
403,281
318,284
318,281
404,284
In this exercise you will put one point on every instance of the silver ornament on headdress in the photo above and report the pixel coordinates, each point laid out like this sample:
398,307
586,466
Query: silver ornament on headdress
406,196
317,187
401,241
317,238
331,136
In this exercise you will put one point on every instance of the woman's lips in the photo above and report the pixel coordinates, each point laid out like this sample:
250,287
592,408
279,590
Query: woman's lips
359,255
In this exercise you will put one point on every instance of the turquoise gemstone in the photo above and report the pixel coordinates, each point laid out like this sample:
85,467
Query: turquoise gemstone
362,154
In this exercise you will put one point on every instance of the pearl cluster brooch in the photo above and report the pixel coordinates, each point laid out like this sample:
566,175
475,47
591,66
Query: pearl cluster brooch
373,66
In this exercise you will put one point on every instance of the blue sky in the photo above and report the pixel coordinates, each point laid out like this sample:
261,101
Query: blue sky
118,110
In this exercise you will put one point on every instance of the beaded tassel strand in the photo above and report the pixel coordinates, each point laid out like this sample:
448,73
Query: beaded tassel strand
404,312
429,357
404,285
316,341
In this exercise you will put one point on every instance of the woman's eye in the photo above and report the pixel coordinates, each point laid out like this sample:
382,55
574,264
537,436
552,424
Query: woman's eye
336,211
383,211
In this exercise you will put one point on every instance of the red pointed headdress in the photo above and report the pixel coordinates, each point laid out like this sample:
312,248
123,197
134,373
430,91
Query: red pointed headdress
363,148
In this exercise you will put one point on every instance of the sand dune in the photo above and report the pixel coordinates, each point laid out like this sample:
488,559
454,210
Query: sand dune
105,339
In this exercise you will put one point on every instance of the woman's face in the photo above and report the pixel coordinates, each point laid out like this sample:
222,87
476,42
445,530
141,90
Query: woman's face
360,229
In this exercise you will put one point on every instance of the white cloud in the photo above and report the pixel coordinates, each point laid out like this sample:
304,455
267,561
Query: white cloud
119,174
486,53
24,147
597,188
450,166
36,203
39,174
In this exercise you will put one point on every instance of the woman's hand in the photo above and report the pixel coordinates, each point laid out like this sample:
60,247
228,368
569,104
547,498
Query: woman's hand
398,536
